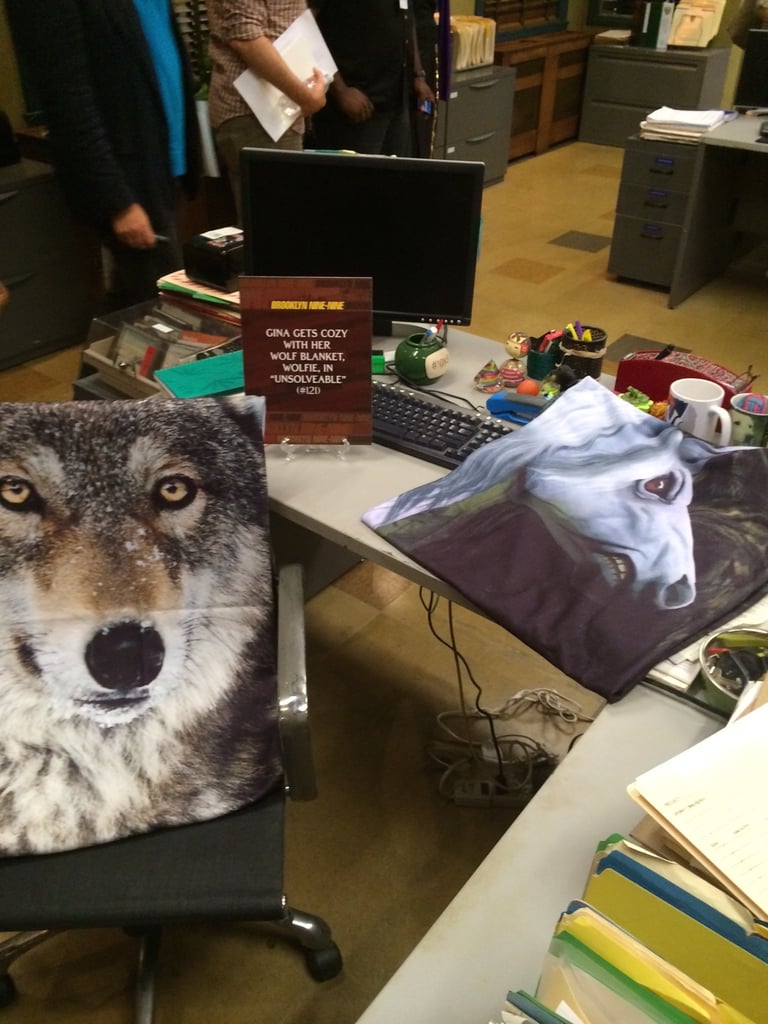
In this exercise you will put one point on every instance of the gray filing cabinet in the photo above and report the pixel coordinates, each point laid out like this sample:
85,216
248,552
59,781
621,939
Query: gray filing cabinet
476,121
625,83
653,193
48,306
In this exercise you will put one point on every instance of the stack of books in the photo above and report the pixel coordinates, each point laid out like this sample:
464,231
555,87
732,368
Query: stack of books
672,931
667,123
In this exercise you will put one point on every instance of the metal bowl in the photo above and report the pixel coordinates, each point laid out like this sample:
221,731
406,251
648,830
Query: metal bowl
730,659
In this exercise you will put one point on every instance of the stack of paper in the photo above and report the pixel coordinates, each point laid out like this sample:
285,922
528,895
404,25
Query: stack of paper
710,800
472,40
682,125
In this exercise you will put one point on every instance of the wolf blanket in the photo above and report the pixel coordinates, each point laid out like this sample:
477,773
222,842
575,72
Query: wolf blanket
137,675
603,538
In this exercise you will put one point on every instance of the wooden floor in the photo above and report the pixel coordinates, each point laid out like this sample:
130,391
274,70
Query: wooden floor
381,853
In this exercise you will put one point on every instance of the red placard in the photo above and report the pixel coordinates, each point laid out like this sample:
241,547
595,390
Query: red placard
307,350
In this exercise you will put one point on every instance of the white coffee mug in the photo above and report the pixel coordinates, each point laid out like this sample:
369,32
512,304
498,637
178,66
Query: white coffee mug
696,407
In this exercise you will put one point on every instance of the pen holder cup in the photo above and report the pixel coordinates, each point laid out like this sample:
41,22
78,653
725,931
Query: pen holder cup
585,358
539,365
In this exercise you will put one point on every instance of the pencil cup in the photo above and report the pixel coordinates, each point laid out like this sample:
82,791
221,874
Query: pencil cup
585,358
540,364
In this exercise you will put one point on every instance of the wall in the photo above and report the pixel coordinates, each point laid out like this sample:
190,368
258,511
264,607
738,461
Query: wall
11,99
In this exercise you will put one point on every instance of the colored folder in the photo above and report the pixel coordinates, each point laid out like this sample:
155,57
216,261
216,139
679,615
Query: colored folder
576,980
645,967
696,928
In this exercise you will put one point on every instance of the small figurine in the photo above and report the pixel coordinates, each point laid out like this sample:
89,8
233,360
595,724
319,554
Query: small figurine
518,345
488,378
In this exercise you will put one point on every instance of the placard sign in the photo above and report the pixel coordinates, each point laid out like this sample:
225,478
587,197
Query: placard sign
307,350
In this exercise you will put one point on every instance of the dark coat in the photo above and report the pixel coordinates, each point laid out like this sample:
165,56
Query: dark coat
103,107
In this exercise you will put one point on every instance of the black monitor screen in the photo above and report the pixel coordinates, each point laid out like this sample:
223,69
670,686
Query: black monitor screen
752,85
411,225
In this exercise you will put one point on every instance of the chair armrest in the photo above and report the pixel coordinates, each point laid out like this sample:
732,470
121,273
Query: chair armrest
293,704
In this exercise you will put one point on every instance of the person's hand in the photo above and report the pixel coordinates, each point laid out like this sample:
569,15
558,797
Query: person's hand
422,91
315,93
353,104
133,227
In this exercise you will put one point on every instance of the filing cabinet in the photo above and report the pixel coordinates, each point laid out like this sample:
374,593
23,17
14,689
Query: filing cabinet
48,286
625,83
475,122
655,183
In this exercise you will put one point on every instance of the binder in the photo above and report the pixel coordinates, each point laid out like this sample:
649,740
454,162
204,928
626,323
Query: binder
645,967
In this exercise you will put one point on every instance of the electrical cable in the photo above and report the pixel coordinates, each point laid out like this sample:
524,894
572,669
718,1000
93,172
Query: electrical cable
516,755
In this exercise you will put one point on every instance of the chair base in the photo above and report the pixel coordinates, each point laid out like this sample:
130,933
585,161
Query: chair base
321,955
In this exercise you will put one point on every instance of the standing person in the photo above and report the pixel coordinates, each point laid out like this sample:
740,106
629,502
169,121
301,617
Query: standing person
118,100
242,35
380,79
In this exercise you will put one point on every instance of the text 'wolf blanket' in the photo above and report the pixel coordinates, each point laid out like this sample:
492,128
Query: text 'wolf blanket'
602,537
137,676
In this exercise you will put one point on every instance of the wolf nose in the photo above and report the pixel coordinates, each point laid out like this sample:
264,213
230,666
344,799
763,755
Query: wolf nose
125,656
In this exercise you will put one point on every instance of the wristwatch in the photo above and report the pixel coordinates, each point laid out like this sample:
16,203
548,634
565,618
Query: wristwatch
419,74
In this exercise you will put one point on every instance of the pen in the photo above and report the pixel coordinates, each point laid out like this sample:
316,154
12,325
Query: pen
162,238
665,352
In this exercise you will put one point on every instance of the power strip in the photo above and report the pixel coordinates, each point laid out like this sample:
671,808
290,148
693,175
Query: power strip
486,793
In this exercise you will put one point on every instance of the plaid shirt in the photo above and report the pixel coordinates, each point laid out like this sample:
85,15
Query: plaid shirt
240,19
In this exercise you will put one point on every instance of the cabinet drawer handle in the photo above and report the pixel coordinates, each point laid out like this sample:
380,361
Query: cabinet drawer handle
14,282
484,85
653,232
6,196
657,197
481,138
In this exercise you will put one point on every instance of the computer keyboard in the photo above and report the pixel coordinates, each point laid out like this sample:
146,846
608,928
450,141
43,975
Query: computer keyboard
420,424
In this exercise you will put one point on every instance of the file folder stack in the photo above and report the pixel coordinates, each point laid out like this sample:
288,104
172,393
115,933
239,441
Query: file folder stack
656,940
472,41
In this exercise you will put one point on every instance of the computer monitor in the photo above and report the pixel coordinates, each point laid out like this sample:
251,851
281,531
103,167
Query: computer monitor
752,84
412,225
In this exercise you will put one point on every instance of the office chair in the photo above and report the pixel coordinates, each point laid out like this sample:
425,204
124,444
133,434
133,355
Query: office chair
224,868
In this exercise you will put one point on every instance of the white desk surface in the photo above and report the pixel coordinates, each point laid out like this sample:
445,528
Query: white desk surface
327,495
741,133
493,936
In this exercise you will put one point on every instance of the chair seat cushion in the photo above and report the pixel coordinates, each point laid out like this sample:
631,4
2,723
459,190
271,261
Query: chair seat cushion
230,867
137,664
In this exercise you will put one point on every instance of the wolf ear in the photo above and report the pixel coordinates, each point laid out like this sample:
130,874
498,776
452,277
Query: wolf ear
248,412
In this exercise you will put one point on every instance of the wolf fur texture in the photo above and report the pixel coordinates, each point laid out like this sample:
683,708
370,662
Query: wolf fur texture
137,677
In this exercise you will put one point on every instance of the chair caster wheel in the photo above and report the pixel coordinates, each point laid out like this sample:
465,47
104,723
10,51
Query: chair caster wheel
324,964
7,990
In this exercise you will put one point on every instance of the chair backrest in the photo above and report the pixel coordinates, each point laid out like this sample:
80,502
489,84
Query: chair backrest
138,662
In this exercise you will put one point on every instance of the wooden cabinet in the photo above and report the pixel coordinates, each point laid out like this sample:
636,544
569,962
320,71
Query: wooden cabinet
656,179
474,123
551,71
625,83
48,303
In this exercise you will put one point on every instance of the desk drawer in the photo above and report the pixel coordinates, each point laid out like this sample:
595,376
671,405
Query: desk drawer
490,147
35,226
481,101
656,201
658,165
644,250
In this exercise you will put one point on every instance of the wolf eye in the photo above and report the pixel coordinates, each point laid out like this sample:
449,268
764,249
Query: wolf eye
174,492
662,486
19,495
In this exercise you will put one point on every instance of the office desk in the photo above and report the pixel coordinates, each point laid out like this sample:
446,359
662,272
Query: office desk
728,196
317,499
493,936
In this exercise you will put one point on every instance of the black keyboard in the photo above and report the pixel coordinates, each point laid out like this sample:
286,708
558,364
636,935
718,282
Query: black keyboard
420,424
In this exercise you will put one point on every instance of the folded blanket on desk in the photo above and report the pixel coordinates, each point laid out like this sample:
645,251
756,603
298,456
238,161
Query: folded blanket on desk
602,537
